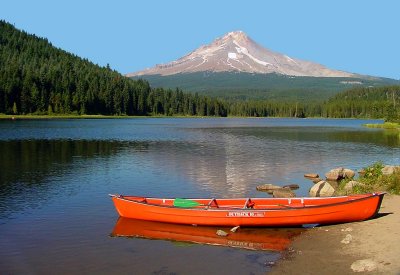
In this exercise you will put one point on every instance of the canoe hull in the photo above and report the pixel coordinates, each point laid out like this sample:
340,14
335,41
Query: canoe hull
266,211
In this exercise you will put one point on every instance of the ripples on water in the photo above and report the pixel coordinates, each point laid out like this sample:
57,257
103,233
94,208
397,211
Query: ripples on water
55,175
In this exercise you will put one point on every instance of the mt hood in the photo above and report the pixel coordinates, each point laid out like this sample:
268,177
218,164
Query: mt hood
236,52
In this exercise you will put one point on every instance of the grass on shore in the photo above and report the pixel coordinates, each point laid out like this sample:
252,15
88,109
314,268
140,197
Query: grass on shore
373,180
386,125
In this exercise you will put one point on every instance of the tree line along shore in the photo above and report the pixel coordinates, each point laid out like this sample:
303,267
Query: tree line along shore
37,78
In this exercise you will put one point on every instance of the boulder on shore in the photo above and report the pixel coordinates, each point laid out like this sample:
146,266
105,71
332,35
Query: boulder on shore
339,173
316,180
269,188
348,173
365,265
311,175
390,170
351,184
322,189
283,193
291,186
335,174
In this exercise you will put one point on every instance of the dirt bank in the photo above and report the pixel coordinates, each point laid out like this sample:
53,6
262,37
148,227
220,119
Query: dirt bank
371,246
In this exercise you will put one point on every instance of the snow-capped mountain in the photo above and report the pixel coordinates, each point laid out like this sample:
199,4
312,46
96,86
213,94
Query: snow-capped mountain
236,52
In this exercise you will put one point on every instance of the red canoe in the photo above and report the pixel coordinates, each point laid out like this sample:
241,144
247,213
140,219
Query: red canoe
250,212
276,239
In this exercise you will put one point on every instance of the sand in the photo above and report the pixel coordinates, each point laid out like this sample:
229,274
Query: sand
371,247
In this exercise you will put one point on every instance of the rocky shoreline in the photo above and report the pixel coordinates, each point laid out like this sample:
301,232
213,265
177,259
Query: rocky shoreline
332,184
369,246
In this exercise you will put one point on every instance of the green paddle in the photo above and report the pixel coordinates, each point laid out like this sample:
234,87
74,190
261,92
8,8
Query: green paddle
185,203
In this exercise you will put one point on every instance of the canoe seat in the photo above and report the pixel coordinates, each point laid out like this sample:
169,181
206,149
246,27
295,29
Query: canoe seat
249,204
213,202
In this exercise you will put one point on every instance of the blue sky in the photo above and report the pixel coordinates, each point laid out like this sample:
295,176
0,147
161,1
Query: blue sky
351,35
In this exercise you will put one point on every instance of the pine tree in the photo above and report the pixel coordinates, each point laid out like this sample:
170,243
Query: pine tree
14,109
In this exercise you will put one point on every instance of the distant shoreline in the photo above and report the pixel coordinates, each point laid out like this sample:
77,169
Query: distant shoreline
55,117
44,117
66,116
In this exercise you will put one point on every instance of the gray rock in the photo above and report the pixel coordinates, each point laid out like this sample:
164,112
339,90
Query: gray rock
291,186
269,188
364,265
348,173
283,193
221,233
351,184
334,184
335,174
322,189
347,239
316,180
234,229
339,173
390,170
311,175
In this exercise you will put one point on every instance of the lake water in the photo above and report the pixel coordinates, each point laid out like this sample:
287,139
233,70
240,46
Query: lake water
55,177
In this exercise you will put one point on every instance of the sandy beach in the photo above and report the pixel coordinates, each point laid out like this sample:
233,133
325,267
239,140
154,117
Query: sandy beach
371,247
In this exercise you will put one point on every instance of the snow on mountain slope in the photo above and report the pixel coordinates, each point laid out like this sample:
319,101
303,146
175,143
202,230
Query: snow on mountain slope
237,52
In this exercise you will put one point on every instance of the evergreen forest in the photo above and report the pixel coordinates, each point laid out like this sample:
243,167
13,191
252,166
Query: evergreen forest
38,78
251,86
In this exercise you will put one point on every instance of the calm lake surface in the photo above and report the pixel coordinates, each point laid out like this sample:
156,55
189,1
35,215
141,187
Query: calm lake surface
55,177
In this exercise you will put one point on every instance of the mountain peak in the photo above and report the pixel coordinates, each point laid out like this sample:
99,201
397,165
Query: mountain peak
237,35
237,52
